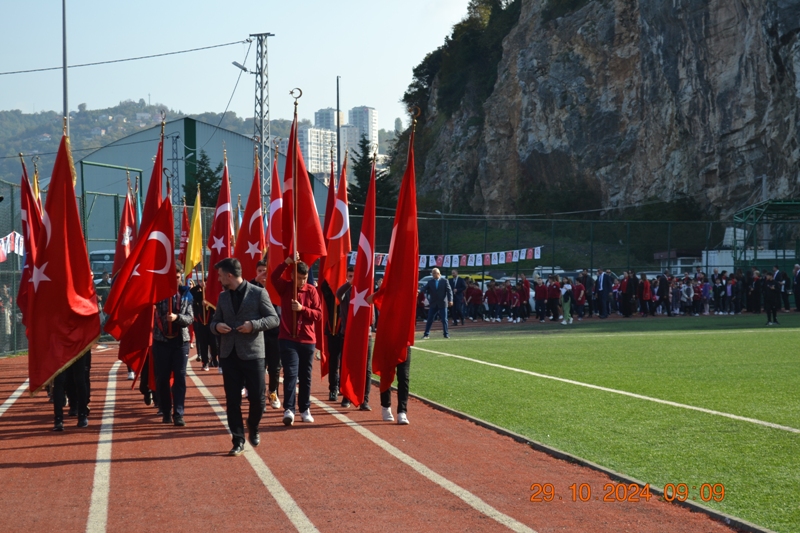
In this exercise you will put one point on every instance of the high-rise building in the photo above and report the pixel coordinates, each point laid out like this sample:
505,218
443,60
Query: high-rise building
326,119
315,145
366,120
350,137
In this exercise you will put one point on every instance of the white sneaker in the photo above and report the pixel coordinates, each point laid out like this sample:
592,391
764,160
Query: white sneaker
570,320
402,419
560,316
305,416
288,418
131,376
387,414
274,402
730,313
564,322
219,369
244,393
510,319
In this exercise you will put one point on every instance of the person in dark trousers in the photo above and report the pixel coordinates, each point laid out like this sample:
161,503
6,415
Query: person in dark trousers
243,312
784,286
271,346
74,379
440,297
334,332
207,347
663,291
171,351
772,298
603,290
343,295
403,372
796,287
458,286
297,336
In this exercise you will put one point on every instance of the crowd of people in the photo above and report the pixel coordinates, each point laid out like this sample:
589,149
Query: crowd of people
560,298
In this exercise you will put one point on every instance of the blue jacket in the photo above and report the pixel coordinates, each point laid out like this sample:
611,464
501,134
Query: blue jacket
441,296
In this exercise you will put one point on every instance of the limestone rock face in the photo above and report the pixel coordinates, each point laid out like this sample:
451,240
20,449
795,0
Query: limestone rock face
638,99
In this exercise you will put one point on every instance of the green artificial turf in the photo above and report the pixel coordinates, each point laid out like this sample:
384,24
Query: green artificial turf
731,364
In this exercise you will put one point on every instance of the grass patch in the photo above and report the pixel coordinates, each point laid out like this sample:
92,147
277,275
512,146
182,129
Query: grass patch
729,364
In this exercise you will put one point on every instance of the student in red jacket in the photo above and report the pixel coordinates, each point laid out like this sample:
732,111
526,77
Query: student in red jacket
491,300
553,298
297,347
540,299
516,303
579,297
645,295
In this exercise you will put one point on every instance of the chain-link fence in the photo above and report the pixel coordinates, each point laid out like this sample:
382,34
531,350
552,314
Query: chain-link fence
561,245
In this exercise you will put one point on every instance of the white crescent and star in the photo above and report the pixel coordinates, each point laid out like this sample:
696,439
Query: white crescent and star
253,249
126,236
38,275
221,209
359,301
47,227
164,240
342,208
256,216
218,243
275,206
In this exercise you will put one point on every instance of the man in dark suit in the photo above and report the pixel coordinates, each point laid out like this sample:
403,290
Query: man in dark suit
796,287
603,289
440,296
782,280
458,286
243,312
663,291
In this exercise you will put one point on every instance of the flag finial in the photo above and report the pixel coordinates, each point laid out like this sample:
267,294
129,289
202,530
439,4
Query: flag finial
415,113
65,125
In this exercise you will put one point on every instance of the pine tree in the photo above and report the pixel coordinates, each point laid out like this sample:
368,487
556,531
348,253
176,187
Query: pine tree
385,188
208,179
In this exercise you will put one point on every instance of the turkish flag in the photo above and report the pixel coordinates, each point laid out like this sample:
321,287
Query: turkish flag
310,242
219,239
134,346
63,319
359,313
333,271
396,298
250,243
126,237
184,235
31,227
147,277
319,325
276,253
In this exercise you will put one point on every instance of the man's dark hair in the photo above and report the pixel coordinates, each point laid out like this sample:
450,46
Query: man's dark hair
351,268
261,263
302,268
178,267
230,265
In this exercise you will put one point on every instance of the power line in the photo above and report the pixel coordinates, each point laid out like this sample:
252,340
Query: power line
126,59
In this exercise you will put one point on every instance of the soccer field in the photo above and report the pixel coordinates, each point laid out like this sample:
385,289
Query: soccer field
730,365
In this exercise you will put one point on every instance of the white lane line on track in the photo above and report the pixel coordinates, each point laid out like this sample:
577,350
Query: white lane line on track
466,496
98,510
285,501
617,391
13,398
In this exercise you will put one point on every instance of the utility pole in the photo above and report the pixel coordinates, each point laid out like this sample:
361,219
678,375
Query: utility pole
261,130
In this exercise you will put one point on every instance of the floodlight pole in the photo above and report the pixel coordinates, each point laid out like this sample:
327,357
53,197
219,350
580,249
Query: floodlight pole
64,61
261,129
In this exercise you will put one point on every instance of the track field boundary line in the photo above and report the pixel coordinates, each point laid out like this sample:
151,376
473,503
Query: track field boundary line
730,520
98,509
285,501
617,391
13,398
467,497
557,334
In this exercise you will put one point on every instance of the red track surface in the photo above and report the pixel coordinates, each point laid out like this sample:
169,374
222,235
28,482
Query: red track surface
181,479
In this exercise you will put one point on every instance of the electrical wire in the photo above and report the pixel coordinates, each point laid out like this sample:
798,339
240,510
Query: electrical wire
126,59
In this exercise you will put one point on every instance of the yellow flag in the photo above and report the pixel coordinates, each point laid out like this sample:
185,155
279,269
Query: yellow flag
194,248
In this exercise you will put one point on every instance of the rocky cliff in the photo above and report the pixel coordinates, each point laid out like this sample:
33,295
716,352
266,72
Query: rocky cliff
627,101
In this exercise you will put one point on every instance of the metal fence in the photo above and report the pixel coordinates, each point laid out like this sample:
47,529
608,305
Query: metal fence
568,245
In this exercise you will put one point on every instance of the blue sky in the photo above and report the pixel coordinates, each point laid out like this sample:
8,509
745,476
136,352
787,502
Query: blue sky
373,45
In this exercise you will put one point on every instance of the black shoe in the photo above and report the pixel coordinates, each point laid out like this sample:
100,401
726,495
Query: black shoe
198,359
237,450
365,407
166,419
447,336
58,425
345,402
159,412
178,420
83,421
148,398
254,438
73,411
332,397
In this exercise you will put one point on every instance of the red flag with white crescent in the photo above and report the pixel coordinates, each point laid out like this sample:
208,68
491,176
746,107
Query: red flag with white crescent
63,318
31,227
250,243
220,237
126,238
276,253
359,313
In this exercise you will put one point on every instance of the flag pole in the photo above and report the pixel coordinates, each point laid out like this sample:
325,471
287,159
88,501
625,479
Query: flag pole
202,258
294,205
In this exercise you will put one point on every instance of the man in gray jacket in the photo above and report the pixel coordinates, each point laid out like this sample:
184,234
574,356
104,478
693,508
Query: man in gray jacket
243,312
